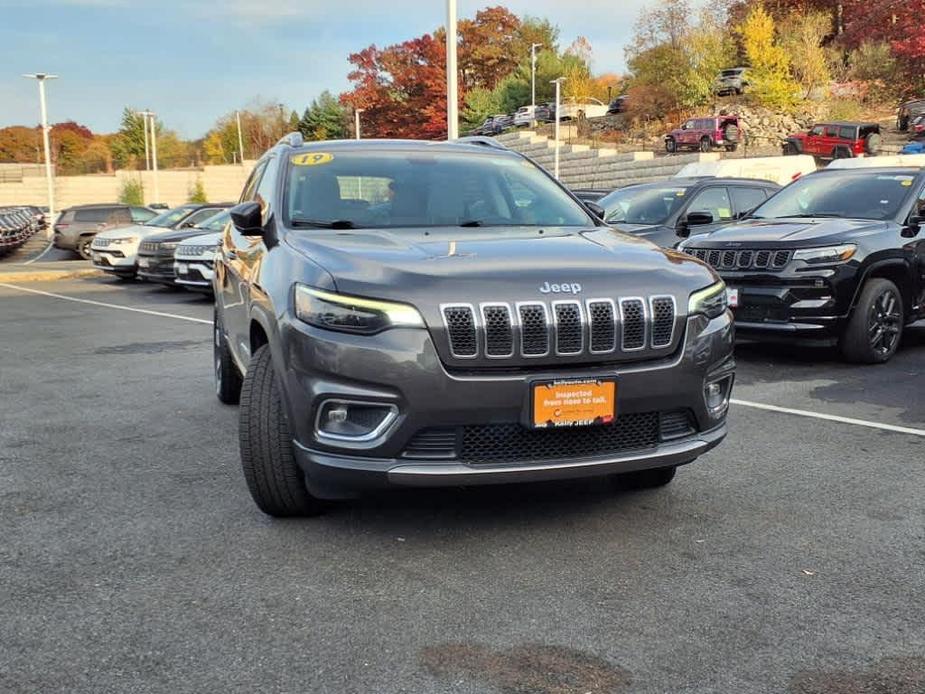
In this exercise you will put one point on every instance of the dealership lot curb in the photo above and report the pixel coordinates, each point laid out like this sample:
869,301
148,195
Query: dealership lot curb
49,271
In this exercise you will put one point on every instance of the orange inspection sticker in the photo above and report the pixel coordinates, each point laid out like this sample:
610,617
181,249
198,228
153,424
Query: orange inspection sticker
574,402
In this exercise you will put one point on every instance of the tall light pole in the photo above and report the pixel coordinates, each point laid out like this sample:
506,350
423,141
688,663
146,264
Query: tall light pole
152,116
558,82
49,179
452,88
237,117
356,121
147,146
533,48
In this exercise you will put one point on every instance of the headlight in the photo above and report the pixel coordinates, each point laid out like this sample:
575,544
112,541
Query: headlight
123,239
710,301
826,254
351,314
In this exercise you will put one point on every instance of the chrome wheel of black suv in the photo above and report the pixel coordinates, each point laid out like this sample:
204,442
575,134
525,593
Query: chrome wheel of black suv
227,377
873,333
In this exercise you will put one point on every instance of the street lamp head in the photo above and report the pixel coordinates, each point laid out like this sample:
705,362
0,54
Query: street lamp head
41,76
558,80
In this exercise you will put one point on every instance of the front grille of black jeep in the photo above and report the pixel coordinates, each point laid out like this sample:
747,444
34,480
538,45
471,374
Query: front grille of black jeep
498,330
514,443
744,259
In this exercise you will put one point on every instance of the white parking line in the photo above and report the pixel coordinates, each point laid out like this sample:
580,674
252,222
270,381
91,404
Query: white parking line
47,248
149,312
830,417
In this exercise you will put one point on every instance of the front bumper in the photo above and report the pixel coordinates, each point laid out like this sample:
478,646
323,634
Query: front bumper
194,273
791,305
401,368
156,268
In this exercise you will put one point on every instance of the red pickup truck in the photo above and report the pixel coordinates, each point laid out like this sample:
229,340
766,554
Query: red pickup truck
836,140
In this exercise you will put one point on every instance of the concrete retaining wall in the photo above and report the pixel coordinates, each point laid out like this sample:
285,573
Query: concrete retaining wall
221,183
580,166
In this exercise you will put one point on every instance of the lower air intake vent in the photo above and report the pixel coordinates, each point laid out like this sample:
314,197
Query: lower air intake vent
513,443
432,443
676,424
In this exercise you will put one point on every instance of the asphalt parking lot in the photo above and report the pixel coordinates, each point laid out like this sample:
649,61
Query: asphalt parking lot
790,559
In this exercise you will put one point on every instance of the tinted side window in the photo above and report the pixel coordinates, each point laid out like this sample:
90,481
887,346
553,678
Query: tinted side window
831,131
846,133
712,200
200,216
93,214
746,199
817,130
120,215
142,214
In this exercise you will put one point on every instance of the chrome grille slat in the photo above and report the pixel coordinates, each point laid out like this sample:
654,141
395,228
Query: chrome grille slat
663,315
568,323
602,326
534,329
633,320
498,331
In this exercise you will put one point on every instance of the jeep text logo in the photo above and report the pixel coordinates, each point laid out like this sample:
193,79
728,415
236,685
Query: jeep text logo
571,288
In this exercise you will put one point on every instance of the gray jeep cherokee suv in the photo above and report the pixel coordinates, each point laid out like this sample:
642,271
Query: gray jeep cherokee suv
433,313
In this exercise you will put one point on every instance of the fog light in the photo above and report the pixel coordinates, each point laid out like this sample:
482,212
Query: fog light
356,421
716,395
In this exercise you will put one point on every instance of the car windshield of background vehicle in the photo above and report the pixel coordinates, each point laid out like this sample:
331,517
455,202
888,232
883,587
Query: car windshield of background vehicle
860,195
642,205
350,190
168,218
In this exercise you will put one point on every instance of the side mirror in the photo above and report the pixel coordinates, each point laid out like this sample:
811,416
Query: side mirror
695,219
248,218
597,210
913,226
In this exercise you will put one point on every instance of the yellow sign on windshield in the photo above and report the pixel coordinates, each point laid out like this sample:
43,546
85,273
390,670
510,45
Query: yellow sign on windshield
312,159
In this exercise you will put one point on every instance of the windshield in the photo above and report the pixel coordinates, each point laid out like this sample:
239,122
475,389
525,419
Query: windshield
642,205
390,189
216,222
855,195
169,218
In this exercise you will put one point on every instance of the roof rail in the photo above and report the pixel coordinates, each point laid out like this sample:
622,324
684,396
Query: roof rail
482,140
292,139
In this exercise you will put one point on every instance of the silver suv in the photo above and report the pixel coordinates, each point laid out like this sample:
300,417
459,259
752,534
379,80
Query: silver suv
76,226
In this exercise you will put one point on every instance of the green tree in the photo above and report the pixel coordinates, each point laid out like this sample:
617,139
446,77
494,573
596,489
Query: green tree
708,48
197,192
324,119
802,36
480,103
128,146
132,192
769,75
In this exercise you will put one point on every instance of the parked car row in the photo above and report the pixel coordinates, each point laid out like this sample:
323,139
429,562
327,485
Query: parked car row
569,109
18,225
148,250
835,257
76,226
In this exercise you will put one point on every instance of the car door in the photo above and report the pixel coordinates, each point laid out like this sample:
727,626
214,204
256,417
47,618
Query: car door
232,289
713,200
829,141
917,244
746,198
813,142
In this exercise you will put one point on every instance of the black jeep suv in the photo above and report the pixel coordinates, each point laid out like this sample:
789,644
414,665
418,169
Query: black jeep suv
433,313
836,256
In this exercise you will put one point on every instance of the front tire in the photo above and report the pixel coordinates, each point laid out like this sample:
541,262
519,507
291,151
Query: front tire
227,376
645,479
273,476
83,247
671,146
875,327
706,145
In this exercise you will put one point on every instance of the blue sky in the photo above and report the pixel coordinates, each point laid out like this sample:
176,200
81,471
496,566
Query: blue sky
192,61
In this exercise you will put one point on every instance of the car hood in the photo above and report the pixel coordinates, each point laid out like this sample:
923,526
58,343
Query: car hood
138,230
175,235
791,232
475,265
207,239
638,229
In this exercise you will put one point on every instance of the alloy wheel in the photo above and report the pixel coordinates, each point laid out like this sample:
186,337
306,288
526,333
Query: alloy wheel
884,323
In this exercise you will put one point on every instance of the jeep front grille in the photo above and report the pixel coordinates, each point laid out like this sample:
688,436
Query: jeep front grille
746,259
497,330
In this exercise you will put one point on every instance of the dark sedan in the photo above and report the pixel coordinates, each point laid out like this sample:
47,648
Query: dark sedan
156,253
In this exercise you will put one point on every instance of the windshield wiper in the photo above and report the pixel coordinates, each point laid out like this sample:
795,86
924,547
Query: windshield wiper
471,223
323,224
808,215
